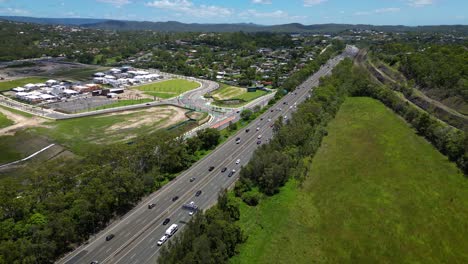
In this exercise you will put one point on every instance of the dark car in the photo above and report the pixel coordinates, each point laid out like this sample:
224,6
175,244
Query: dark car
192,179
175,198
109,237
211,168
259,142
247,130
198,193
231,173
272,110
151,205
261,119
166,221
224,169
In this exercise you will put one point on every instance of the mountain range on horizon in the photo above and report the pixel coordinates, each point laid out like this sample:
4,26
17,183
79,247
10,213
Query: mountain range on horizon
174,26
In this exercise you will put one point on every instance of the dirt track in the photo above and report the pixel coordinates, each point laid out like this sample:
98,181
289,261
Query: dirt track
21,122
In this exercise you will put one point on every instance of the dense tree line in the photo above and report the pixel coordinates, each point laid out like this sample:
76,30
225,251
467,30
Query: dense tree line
210,237
58,205
288,153
440,69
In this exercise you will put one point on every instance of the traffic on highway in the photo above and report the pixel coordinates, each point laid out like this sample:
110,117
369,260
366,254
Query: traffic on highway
138,236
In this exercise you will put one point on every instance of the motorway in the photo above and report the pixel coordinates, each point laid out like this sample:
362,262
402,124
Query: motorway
138,231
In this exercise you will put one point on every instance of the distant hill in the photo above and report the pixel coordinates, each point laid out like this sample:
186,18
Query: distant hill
53,21
174,26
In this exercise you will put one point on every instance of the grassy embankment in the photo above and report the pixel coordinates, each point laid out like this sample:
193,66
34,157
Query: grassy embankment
376,193
4,121
7,85
226,92
169,88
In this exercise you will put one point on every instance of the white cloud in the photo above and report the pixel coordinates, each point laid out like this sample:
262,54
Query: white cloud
420,3
387,10
117,3
377,11
263,2
13,11
313,2
255,13
187,7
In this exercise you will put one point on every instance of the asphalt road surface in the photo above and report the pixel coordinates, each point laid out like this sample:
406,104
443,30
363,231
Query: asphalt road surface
137,233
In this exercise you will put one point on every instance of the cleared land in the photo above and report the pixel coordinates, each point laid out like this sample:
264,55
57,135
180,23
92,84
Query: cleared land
376,193
7,85
120,103
80,134
169,88
226,92
77,74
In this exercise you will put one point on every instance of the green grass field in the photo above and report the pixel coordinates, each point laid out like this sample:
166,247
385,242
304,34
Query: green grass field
4,121
7,85
169,88
376,193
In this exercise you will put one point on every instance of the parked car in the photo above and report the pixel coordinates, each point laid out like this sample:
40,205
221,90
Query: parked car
224,169
151,205
247,130
211,168
175,198
198,193
109,237
166,221
192,179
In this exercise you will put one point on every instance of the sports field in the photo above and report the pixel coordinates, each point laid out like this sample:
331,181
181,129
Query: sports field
376,193
169,88
7,85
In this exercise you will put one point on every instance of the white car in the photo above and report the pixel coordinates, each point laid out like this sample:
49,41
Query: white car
259,136
162,240
258,128
192,212
237,161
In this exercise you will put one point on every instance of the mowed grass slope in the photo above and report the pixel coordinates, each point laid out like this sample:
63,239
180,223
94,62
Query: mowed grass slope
226,92
169,88
376,193
4,121
7,85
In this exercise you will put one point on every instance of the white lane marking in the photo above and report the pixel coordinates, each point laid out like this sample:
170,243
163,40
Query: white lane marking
107,251
133,256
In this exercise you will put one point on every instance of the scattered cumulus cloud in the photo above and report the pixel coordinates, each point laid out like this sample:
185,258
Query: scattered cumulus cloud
420,3
313,2
263,2
117,3
13,11
255,13
188,7
377,11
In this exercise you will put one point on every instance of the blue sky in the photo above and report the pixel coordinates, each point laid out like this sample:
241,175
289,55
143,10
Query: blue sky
378,12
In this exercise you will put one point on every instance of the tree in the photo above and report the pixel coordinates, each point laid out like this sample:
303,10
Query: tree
246,114
209,138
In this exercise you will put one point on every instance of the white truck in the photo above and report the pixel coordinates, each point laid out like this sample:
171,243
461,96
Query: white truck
171,230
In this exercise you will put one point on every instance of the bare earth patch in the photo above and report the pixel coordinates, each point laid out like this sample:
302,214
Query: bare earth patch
21,122
169,115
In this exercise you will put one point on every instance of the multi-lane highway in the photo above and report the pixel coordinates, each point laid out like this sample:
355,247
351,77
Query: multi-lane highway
137,233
